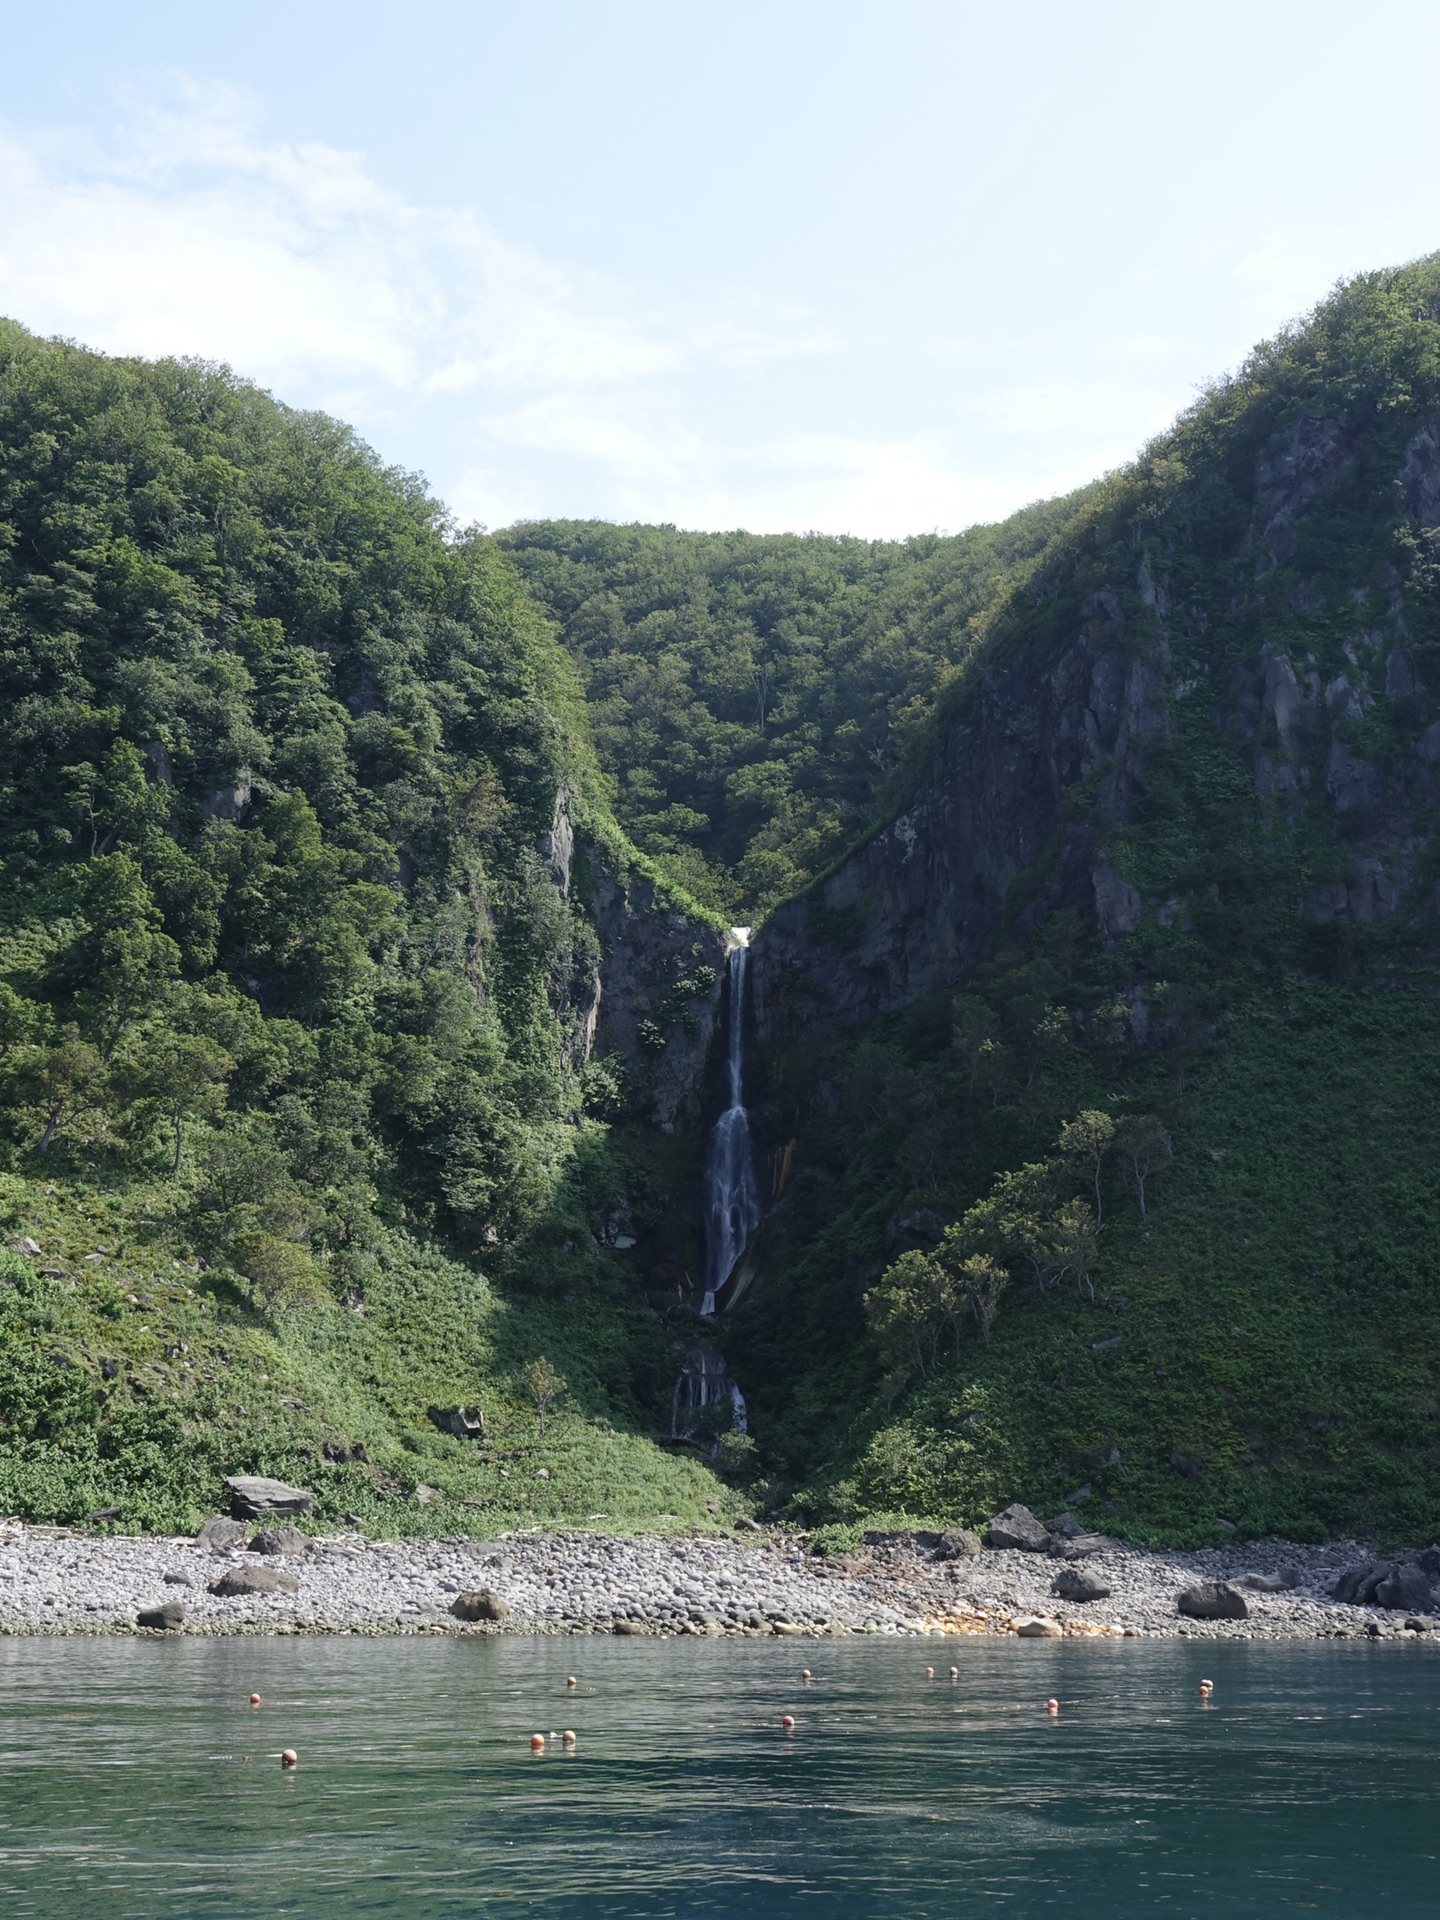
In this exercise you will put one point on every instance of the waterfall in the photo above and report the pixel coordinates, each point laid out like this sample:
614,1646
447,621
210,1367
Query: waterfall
704,1382
732,1197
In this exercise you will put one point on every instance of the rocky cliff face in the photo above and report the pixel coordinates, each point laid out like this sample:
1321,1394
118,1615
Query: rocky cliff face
1304,677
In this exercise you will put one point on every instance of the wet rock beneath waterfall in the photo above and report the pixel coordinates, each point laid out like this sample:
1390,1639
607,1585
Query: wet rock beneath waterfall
1017,1527
1213,1600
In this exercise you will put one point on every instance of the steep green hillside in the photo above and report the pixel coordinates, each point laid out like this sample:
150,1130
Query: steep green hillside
1173,864
292,993
751,697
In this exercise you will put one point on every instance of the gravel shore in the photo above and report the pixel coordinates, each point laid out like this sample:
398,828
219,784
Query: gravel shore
52,1581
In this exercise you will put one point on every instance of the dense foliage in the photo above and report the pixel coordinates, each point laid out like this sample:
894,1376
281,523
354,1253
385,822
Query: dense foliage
1252,1334
279,954
752,697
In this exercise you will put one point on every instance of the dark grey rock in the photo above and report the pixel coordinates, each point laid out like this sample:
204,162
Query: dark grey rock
957,1543
1066,1526
1017,1527
281,1540
253,1497
466,1423
1080,1495
1267,1582
261,1579
482,1603
1356,1586
175,1578
167,1619
1213,1600
221,1534
1074,1584
1406,1590
1429,1562
1082,1546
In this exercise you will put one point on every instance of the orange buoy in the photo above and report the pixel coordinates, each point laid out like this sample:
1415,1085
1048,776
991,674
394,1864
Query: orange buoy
787,1722
537,1743
289,1758
254,1699
1052,1706
568,1737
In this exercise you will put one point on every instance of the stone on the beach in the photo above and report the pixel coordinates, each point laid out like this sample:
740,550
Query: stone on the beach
253,1497
1406,1590
221,1534
1213,1600
1017,1527
1082,1545
482,1603
1038,1626
281,1540
957,1543
177,1577
1074,1584
627,1626
239,1581
1357,1585
167,1619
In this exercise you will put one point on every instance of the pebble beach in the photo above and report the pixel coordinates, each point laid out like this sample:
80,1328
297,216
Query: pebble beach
56,1581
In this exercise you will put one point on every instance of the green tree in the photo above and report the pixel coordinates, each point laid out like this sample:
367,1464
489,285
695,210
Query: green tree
910,1308
1145,1149
544,1385
62,1084
184,1075
1089,1138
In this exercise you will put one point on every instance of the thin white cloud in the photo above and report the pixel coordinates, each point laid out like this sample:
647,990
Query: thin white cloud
522,387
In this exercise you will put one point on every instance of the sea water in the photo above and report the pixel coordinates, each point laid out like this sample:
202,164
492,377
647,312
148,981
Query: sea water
135,1780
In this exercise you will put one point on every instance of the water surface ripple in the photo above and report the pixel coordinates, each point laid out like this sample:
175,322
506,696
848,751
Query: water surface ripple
137,1782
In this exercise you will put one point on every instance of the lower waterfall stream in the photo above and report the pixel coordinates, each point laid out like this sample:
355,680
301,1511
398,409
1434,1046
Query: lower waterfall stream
731,1211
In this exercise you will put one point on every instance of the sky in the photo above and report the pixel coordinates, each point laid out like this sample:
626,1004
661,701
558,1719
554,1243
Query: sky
846,267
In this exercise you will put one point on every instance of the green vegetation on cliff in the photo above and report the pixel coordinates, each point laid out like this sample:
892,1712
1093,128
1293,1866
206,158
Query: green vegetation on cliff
288,993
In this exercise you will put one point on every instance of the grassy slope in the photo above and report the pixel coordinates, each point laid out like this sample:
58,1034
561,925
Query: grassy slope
205,1387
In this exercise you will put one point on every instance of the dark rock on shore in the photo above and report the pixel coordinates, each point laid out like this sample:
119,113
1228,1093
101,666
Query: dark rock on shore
1017,1527
1213,1600
253,1497
1082,1545
1075,1584
483,1603
958,1544
242,1580
280,1540
1406,1589
1281,1582
167,1619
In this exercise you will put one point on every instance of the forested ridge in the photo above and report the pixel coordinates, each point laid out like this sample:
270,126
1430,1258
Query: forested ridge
320,819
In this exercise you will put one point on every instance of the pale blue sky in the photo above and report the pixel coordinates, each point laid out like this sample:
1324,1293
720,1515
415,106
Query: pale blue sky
861,268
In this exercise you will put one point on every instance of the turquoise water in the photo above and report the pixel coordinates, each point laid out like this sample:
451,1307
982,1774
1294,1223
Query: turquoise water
136,1781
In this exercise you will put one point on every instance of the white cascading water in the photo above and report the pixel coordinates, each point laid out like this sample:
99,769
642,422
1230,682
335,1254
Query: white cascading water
732,1197
704,1382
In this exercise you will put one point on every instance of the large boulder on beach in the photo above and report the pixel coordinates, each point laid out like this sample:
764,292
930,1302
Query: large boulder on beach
1356,1585
221,1534
482,1603
1017,1527
1282,1581
1213,1600
239,1581
1038,1626
1406,1589
281,1540
1075,1584
167,1619
957,1543
253,1497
